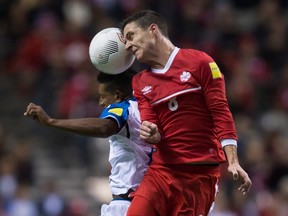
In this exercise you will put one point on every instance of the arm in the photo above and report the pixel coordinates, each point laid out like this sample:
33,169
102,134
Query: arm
213,85
86,126
148,130
235,169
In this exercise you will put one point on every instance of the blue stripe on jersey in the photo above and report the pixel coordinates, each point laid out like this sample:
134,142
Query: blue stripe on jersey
117,111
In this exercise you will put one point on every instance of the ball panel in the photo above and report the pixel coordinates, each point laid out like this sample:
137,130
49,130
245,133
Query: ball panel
107,52
104,52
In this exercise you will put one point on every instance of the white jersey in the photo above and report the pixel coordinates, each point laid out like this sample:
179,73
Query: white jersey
129,155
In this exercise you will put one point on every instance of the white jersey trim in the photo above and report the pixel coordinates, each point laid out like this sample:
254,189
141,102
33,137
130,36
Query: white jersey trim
226,142
168,64
175,94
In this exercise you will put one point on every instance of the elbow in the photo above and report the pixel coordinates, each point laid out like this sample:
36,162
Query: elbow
109,129
105,132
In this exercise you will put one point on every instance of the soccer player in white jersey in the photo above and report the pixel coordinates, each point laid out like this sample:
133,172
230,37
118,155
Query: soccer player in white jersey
120,121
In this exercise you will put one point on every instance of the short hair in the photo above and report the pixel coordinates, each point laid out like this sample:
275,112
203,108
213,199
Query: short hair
121,82
144,18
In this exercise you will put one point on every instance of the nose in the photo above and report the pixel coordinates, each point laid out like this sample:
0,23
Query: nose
101,102
127,45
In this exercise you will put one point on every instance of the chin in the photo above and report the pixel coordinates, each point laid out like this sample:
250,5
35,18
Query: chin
140,58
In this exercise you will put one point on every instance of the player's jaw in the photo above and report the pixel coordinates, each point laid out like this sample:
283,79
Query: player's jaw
143,50
138,53
134,49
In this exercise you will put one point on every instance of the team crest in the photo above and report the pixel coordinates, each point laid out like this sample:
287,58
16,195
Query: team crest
185,76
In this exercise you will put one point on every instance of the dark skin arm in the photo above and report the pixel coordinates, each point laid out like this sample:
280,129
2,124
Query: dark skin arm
85,126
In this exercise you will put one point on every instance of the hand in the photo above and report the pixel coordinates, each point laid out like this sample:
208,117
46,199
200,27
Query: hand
37,113
149,132
236,170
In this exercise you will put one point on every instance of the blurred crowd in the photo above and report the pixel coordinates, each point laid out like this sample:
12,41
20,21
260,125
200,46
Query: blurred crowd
44,59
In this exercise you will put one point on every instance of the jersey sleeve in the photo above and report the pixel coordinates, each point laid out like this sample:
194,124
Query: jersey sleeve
213,85
118,111
146,111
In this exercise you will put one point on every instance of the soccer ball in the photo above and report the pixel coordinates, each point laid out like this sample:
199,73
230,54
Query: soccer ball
107,52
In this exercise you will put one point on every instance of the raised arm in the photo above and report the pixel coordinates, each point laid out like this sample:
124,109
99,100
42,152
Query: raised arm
86,126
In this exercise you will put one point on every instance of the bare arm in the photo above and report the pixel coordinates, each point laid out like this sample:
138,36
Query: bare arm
235,169
86,126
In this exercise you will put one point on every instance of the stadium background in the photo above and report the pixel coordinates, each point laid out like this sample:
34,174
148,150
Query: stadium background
44,59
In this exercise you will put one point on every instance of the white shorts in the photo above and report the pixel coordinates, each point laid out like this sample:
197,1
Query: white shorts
115,208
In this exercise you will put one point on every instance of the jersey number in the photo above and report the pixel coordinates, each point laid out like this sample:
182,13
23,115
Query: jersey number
173,104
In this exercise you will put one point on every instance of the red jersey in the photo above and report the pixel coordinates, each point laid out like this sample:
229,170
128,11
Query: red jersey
187,100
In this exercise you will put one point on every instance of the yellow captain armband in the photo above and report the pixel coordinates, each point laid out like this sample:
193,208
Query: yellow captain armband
216,73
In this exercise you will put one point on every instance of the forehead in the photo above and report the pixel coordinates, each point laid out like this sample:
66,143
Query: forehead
130,28
102,88
104,92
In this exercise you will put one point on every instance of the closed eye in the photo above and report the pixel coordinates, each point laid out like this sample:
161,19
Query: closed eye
129,36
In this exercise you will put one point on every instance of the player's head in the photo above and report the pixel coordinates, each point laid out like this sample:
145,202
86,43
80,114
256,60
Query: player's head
141,32
144,19
115,88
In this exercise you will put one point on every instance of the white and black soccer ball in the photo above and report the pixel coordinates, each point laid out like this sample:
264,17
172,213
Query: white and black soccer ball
107,52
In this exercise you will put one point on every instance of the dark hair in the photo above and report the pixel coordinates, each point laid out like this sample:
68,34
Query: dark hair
121,82
144,18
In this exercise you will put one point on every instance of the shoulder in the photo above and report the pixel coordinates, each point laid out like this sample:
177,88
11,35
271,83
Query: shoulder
141,73
116,109
196,54
139,78
123,104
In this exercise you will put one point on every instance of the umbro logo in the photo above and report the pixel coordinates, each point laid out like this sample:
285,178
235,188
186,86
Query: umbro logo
146,89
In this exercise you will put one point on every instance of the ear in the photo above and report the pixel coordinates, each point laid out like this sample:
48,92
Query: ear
153,28
118,95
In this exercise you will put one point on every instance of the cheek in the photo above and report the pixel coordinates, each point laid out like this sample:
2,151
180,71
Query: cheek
110,100
146,44
140,41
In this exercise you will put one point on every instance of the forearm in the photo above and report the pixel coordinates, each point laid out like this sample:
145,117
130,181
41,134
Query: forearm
236,170
231,154
85,126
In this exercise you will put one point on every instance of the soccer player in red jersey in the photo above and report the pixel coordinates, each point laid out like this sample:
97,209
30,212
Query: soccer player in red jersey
184,112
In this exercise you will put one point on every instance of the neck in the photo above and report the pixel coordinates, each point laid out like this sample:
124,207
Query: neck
127,97
162,53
